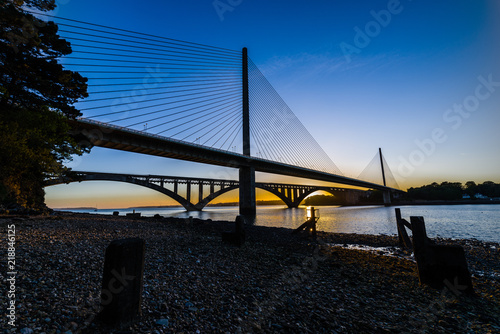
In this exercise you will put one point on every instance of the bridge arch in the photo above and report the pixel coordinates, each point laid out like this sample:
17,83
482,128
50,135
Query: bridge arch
291,195
287,201
126,179
277,193
199,206
178,198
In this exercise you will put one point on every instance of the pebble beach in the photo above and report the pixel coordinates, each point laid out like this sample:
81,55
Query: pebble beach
276,282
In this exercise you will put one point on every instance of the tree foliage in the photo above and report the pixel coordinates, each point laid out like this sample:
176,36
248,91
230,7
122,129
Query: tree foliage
435,191
454,190
488,188
317,200
36,98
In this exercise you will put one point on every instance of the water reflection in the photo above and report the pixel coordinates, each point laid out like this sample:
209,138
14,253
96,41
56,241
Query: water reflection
451,221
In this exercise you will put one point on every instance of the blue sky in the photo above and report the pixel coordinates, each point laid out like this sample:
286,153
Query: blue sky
401,89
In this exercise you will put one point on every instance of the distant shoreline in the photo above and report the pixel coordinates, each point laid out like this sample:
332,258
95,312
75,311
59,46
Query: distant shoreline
263,203
270,203
459,202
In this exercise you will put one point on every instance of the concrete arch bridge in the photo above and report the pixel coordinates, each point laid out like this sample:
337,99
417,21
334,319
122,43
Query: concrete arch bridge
209,189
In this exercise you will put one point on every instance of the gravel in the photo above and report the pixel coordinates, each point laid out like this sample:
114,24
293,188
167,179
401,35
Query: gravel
275,283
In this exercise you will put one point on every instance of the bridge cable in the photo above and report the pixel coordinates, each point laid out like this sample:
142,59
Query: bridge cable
276,144
128,103
288,133
169,87
127,31
290,143
168,92
214,105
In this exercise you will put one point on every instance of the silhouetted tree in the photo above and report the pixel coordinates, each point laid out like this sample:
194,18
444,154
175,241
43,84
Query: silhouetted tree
374,196
435,191
36,98
489,188
453,190
322,200
470,188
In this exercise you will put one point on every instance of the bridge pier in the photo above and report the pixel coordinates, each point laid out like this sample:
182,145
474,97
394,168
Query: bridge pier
200,192
387,198
247,193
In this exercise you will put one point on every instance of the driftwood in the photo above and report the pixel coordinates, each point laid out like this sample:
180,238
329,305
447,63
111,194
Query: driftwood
404,239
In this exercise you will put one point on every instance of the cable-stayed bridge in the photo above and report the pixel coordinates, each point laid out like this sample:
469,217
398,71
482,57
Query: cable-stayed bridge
165,97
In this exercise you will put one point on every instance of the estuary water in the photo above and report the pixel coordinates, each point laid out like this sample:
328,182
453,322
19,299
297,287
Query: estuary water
481,222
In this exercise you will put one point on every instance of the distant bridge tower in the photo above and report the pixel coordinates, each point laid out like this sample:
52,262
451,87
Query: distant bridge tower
247,173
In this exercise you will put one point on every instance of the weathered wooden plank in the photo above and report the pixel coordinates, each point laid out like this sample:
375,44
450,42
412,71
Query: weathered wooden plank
121,294
440,266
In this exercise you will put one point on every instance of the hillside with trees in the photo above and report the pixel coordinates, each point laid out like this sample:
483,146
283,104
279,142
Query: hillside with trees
448,191
319,200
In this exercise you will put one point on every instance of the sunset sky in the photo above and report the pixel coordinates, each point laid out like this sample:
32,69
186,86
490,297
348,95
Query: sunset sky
420,79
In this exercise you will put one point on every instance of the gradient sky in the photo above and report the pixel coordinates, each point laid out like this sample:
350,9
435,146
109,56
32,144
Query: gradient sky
399,84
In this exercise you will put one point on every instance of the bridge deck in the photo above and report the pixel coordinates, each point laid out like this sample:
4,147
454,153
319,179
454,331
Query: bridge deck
114,137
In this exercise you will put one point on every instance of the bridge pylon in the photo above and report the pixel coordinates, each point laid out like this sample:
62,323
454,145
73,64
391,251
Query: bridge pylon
247,173
386,193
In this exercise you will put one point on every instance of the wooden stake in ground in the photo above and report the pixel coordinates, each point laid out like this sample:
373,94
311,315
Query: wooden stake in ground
440,266
121,294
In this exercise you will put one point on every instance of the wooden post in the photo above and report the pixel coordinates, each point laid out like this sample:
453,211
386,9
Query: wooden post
313,222
422,253
404,240
238,236
440,266
121,293
398,218
309,225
